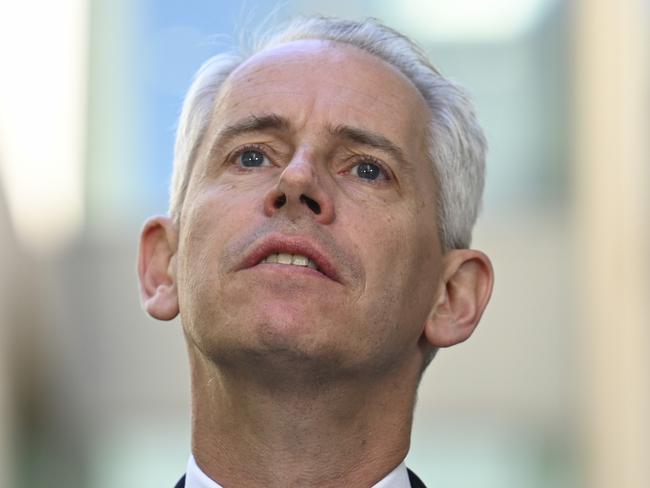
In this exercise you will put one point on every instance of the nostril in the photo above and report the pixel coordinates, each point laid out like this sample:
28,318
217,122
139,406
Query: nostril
280,201
312,204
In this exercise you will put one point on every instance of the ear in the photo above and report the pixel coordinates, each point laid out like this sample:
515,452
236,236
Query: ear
157,268
463,294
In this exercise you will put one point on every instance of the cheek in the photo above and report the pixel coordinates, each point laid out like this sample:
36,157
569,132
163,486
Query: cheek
217,211
375,240
208,224
401,258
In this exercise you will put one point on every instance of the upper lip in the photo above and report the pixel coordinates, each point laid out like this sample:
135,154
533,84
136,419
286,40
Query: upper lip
275,244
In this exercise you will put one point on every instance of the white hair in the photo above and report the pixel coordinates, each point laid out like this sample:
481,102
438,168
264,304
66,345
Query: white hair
457,145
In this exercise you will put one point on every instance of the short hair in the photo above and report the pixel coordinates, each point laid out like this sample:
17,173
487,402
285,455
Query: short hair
456,147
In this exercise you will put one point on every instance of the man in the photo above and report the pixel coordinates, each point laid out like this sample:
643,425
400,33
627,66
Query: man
324,191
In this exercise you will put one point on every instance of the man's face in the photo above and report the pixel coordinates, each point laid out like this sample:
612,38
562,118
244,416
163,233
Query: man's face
314,150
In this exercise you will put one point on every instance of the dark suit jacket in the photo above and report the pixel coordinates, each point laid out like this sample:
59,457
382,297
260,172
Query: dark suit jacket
415,481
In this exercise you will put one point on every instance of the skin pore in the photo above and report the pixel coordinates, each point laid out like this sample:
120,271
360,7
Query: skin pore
307,377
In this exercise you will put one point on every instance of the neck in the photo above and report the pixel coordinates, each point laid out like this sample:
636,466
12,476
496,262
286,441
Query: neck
348,432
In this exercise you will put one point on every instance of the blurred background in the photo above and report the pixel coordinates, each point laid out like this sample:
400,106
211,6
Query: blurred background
551,391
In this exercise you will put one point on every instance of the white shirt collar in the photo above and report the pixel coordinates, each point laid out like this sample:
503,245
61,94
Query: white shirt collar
196,478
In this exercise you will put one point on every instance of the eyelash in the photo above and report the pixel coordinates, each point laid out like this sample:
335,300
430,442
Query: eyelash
360,159
365,159
233,158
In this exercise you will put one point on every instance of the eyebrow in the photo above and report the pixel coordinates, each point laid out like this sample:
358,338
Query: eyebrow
252,123
371,139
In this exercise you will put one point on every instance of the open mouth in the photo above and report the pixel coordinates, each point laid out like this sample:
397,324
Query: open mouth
292,259
297,251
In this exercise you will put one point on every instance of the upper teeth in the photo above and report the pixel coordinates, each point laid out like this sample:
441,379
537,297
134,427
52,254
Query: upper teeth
296,259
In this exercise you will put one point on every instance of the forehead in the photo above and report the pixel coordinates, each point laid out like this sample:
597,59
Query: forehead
314,82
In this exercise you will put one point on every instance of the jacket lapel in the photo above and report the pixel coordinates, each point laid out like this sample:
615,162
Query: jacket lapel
415,481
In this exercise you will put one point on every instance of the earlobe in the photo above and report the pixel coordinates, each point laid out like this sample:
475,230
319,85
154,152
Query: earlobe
156,261
464,292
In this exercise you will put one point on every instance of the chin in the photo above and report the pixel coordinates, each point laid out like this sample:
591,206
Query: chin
282,349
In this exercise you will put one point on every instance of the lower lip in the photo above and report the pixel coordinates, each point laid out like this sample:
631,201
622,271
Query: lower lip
289,269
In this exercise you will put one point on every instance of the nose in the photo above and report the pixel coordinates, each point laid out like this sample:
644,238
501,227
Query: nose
299,192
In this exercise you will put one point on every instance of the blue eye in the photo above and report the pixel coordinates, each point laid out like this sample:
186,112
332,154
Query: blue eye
368,171
252,159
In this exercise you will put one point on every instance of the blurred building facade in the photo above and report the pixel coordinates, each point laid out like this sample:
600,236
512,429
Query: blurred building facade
97,395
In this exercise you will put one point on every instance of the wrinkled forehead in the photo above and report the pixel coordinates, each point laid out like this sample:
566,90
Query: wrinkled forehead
316,78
